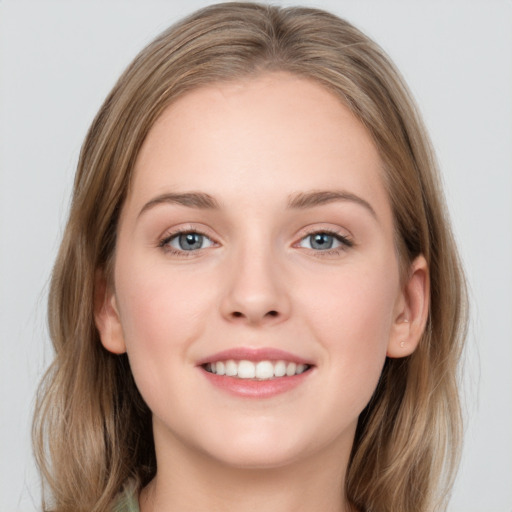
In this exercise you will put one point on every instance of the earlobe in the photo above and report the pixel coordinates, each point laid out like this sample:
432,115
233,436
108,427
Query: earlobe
411,312
106,316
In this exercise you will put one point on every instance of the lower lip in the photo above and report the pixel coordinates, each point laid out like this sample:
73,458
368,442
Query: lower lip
249,388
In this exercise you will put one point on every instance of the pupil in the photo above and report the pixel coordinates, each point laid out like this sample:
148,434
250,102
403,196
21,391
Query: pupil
190,241
322,241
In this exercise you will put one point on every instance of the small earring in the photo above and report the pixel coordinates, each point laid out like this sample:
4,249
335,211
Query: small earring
402,344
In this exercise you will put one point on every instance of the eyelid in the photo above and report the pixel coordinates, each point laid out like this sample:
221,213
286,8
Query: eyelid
342,236
331,230
171,233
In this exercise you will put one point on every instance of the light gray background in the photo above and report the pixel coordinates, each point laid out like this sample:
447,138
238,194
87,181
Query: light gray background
59,59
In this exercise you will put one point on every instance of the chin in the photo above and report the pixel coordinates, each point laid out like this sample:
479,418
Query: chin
262,447
257,457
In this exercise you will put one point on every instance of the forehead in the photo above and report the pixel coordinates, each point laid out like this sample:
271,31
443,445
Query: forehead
257,139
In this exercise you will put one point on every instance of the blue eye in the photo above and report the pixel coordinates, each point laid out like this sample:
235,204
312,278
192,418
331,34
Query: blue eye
190,241
323,241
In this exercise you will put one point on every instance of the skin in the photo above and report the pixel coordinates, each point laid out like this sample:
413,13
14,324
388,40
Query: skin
258,282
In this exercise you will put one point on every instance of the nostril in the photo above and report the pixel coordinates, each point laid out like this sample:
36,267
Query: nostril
269,314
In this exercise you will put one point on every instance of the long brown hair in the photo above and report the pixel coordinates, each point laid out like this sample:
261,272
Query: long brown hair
92,429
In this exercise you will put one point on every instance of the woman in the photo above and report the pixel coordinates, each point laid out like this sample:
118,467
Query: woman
257,300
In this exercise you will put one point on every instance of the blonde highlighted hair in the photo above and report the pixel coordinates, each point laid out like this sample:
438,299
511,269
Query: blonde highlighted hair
92,430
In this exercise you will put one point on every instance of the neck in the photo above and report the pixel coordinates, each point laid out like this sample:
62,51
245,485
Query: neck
191,481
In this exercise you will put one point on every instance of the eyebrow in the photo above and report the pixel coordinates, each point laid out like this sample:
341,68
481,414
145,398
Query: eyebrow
300,201
305,200
191,199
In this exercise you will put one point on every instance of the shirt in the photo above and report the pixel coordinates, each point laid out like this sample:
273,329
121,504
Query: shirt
127,500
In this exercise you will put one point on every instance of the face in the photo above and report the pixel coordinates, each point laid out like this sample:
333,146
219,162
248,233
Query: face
257,287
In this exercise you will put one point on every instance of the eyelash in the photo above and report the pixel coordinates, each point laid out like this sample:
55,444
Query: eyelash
345,242
185,231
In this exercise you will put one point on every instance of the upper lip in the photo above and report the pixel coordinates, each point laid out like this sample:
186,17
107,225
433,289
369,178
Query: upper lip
253,354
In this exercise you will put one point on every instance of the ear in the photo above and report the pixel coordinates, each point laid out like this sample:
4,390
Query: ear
106,316
411,311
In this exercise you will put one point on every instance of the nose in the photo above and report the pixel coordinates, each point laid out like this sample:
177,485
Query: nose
255,290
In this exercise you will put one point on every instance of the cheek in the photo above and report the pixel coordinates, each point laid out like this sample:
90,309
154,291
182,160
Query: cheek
161,314
156,300
354,304
352,318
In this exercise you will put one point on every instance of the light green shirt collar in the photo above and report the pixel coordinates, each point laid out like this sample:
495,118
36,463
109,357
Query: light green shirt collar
127,500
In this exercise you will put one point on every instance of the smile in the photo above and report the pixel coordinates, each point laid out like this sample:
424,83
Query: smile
259,370
256,373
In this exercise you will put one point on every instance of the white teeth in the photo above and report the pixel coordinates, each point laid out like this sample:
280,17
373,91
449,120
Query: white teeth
231,368
290,369
262,370
220,368
246,370
280,369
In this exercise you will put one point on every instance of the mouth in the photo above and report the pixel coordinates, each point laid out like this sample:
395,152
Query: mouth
256,373
263,370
